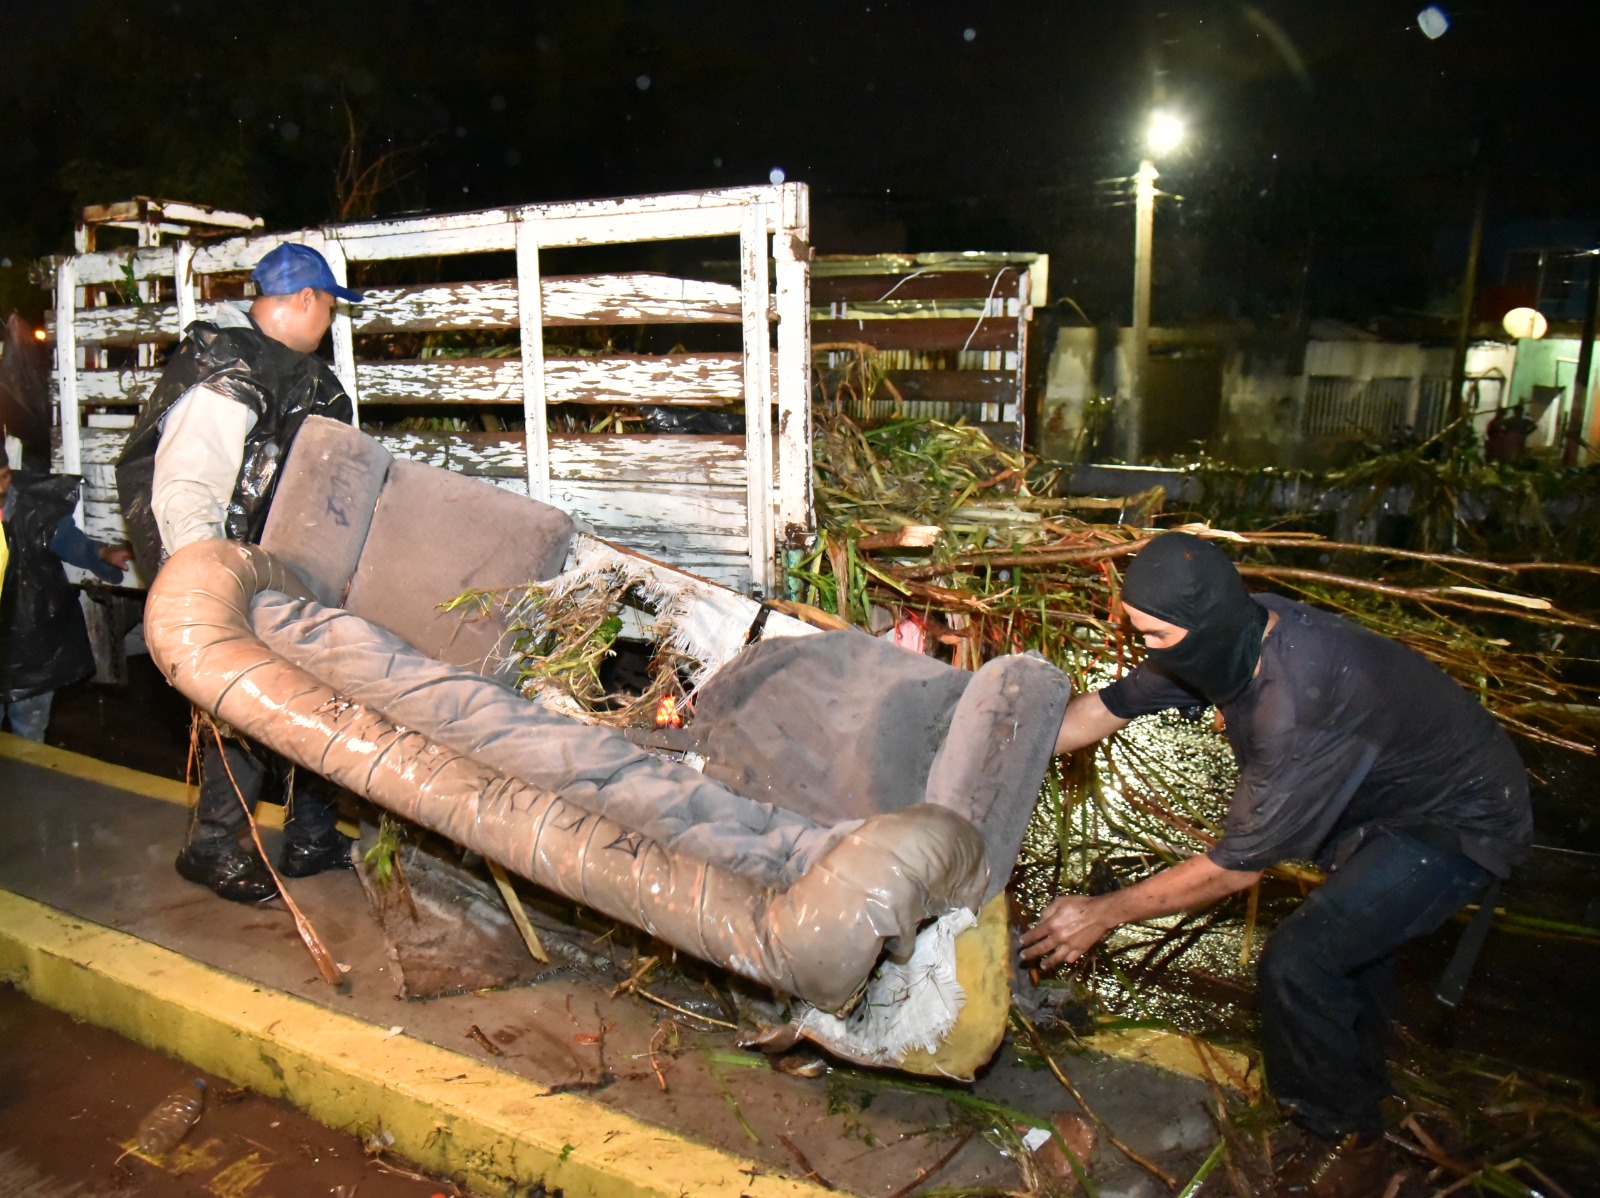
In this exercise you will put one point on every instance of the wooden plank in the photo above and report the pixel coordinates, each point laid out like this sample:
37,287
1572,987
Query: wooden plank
792,265
924,285
533,375
637,299
668,544
755,301
67,390
646,206
933,333
953,386
698,380
649,458
479,455
690,379
100,447
644,458
132,386
568,300
116,266
437,307
717,513
103,522
464,307
344,346
141,324
581,222
184,311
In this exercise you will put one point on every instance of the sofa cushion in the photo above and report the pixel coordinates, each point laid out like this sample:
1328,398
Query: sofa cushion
436,535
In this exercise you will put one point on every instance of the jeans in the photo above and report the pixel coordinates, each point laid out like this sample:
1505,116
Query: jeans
28,717
1327,970
219,817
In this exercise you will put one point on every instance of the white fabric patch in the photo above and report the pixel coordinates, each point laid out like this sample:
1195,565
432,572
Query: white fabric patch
906,1006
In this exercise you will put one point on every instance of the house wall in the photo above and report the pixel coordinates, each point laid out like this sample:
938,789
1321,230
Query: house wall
1272,402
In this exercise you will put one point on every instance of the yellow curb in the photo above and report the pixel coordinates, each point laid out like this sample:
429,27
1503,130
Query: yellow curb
1146,1046
1177,1053
93,770
499,1133
120,777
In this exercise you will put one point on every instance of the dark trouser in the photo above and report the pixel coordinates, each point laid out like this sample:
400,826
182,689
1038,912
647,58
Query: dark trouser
218,815
1327,969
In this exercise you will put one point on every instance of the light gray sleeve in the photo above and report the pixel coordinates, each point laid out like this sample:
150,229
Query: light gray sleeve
197,465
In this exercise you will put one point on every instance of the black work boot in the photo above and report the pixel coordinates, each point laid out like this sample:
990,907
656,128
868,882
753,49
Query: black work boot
229,871
330,851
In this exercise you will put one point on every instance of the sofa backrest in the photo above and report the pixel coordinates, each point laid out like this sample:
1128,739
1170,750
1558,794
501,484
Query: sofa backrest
393,540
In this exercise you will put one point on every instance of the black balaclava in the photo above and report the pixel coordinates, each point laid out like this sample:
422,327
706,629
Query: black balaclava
1189,582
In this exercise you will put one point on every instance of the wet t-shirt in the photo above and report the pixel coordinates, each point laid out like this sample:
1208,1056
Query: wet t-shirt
1343,732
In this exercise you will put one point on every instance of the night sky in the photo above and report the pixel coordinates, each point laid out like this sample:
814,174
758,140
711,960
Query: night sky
1332,144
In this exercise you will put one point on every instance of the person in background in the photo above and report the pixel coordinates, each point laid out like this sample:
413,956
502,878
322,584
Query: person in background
202,463
1506,437
44,643
1354,752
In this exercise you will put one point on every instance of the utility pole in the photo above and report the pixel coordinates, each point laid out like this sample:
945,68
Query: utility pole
1469,292
1580,381
1139,366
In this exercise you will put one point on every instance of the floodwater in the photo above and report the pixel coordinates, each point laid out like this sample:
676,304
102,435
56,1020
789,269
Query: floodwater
72,1096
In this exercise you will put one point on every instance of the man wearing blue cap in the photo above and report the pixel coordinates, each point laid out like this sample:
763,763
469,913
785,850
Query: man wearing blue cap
202,462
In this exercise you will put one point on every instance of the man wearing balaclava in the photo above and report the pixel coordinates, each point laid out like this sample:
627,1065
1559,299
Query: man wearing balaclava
1354,752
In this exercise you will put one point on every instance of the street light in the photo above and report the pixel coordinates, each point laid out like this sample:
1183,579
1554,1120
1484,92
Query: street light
1163,134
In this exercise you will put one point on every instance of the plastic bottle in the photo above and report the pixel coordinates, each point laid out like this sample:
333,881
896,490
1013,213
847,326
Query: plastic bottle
164,1128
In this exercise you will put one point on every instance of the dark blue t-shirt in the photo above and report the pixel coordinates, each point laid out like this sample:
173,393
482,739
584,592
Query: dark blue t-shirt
1342,732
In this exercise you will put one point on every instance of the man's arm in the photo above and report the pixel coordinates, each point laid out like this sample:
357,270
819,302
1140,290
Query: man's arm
1086,722
1073,923
197,466
75,547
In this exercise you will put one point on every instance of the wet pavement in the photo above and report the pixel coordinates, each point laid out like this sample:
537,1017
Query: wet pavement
106,855
72,1096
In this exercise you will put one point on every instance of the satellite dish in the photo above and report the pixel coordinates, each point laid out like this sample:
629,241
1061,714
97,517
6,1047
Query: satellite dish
1525,323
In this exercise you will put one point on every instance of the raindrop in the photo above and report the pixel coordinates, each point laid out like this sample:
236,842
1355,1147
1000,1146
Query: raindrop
497,103
1433,21
717,162
461,130
968,34
642,83
5,263
511,157
289,130
775,174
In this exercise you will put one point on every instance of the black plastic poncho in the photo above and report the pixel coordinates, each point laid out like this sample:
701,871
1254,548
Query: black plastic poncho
280,385
44,643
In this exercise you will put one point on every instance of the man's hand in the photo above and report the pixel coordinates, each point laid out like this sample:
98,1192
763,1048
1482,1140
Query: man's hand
1072,924
116,555
1069,927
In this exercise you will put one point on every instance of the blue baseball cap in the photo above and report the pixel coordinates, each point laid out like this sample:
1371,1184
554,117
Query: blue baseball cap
292,266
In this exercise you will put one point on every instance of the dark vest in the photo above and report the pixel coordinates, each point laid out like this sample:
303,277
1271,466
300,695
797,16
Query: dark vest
280,385
44,643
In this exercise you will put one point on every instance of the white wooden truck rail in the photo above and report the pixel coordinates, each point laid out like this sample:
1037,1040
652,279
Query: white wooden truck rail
716,505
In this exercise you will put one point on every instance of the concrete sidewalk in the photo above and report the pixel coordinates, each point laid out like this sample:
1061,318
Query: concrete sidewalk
582,1096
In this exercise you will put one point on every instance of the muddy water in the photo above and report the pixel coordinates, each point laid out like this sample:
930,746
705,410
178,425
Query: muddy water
72,1096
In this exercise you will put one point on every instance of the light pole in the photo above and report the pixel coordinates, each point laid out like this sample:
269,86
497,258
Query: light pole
1162,135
